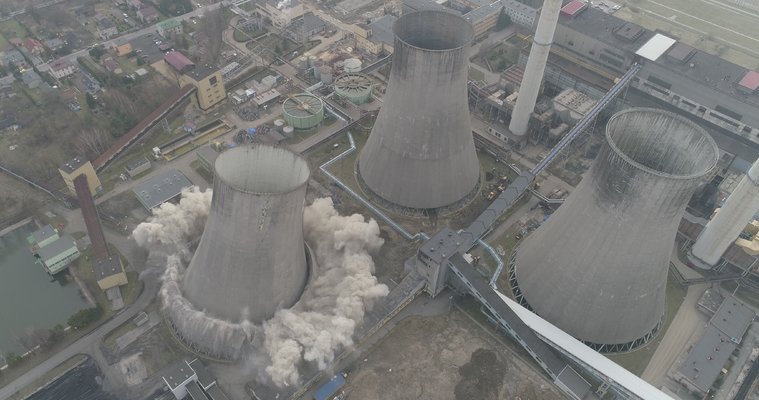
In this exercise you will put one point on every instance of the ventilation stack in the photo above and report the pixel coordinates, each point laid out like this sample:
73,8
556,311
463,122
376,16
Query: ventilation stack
420,153
724,227
251,259
597,268
536,66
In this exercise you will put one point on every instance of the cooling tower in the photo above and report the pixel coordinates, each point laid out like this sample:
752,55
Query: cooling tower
420,153
536,65
251,258
722,230
597,268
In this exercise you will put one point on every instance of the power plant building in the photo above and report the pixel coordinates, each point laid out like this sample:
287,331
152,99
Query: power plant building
420,153
251,259
597,268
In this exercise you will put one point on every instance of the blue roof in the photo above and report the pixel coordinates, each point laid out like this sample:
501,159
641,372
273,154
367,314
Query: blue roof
329,388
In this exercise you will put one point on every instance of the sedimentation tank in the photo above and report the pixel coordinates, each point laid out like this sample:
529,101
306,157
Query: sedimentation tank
597,268
356,88
420,153
303,111
251,259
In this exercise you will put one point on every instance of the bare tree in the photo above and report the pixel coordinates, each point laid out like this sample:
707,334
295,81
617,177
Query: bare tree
212,26
92,142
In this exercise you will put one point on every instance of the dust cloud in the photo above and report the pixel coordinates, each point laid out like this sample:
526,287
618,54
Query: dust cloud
318,326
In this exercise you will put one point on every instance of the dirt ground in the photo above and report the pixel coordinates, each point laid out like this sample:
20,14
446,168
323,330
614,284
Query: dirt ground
444,357
17,200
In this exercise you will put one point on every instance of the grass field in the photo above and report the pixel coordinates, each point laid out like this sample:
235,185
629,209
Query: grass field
710,25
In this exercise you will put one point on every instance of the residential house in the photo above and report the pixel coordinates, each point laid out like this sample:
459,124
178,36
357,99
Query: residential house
170,27
147,14
31,79
15,57
61,68
54,44
34,46
111,65
106,29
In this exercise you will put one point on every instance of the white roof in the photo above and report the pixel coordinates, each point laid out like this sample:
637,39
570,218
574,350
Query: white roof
595,360
655,47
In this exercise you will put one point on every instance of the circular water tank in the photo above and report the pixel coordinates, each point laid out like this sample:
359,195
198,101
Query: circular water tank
356,88
288,131
352,65
279,123
303,111
326,74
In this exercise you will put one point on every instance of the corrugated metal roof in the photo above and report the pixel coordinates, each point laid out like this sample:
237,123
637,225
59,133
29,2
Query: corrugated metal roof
178,61
573,7
655,47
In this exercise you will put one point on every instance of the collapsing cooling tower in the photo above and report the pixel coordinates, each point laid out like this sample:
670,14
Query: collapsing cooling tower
420,153
251,258
598,267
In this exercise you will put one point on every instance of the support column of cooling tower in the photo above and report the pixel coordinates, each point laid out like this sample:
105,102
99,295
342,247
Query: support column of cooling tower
597,268
251,259
420,153
536,65
732,217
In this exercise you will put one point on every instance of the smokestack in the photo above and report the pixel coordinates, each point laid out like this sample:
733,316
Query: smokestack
730,220
598,267
251,258
421,153
536,66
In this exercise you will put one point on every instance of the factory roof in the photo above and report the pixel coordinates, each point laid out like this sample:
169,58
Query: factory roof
205,379
195,392
750,80
161,188
732,318
201,71
215,393
91,219
107,266
681,52
42,234
707,358
137,164
655,47
382,29
607,28
178,60
482,12
330,388
55,248
421,5
573,7
73,164
179,374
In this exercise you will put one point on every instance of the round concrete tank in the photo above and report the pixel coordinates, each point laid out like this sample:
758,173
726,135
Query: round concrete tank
352,65
288,131
597,268
420,153
356,88
251,259
279,124
303,111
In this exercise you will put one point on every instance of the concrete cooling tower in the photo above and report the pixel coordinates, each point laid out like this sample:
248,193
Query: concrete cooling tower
251,258
597,268
420,153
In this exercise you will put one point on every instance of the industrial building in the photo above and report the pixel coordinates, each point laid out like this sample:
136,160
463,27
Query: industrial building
161,188
80,166
420,153
356,88
137,167
597,268
280,13
57,255
210,85
42,237
377,36
252,247
192,381
109,272
303,111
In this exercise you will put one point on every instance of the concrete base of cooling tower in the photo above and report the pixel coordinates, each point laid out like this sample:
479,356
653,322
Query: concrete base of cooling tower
217,340
415,212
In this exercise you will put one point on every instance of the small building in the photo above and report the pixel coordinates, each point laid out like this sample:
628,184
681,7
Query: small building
377,36
31,78
193,379
484,18
266,97
281,13
178,376
61,68
161,188
147,14
80,166
13,56
137,167
111,65
109,272
58,254
206,156
106,29
42,237
178,61
749,83
210,85
170,27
